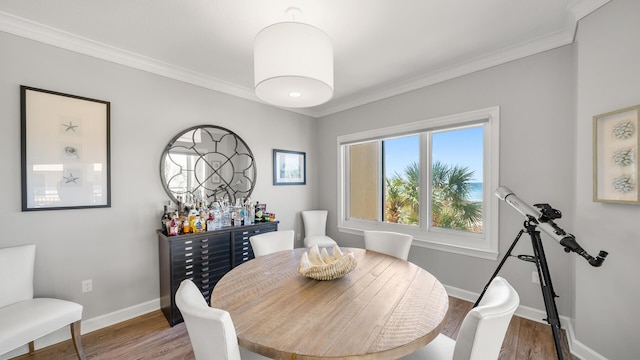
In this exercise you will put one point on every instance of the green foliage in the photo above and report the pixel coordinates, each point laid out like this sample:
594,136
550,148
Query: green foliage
451,207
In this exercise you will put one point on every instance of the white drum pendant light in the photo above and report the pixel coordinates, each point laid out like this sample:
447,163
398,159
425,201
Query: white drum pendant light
293,65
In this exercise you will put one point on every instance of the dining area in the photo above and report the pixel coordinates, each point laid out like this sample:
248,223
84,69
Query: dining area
272,307
383,307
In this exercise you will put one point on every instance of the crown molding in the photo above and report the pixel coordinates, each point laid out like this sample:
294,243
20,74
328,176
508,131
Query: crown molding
51,36
576,11
582,8
450,72
65,40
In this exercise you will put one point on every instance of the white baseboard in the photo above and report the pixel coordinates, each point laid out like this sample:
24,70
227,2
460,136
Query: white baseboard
579,349
575,347
119,316
88,326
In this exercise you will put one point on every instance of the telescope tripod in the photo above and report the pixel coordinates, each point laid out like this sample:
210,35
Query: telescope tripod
548,294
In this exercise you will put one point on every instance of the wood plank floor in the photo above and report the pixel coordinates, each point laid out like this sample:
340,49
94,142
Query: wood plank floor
150,337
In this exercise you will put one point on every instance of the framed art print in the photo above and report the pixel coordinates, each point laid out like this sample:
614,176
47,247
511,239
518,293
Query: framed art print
65,151
289,167
615,156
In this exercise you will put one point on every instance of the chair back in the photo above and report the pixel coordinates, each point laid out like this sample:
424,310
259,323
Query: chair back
315,222
211,330
16,273
270,242
483,329
390,243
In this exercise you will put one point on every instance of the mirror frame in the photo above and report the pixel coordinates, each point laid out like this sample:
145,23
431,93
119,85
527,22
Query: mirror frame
226,188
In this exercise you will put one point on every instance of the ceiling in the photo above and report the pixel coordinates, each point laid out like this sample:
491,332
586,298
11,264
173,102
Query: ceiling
381,47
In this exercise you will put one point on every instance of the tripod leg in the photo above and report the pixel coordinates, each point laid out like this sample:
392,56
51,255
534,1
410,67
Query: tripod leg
495,273
547,288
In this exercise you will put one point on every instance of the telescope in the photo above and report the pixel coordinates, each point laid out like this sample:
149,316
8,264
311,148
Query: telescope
543,215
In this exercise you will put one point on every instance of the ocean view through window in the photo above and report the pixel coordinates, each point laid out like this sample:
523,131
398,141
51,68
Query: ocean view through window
457,163
430,179
476,191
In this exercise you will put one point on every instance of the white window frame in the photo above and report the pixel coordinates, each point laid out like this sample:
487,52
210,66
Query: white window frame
483,245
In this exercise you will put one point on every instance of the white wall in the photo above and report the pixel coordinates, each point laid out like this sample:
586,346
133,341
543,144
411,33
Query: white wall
607,298
117,246
537,145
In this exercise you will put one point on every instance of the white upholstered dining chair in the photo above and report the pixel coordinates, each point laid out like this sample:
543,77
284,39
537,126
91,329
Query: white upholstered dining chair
482,331
210,330
387,242
315,223
23,318
270,242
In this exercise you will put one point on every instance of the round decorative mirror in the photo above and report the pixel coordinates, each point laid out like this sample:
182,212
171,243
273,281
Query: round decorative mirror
207,163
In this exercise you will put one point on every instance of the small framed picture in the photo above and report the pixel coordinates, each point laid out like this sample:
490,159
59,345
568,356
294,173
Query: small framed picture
615,156
289,167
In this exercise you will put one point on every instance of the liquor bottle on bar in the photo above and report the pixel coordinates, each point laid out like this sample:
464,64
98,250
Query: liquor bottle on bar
164,220
252,213
174,225
193,215
203,220
180,205
210,221
184,220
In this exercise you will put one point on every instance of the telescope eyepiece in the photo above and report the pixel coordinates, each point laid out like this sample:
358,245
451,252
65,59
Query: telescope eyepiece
598,260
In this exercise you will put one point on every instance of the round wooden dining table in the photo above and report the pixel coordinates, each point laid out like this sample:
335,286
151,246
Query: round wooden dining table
385,308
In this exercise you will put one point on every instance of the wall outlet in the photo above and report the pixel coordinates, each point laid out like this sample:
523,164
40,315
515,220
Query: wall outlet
534,277
298,237
87,286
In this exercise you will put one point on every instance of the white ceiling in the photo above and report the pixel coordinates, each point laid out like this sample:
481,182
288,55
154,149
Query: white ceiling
381,47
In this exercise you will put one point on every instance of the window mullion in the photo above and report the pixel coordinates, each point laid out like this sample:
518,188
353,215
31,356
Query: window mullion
425,180
346,178
379,176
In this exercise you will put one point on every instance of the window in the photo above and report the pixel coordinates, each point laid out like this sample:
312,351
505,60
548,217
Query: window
433,179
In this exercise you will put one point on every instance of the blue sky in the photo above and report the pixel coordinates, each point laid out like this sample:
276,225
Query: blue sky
462,147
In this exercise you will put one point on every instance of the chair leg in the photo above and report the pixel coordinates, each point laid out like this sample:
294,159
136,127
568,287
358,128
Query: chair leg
32,347
76,336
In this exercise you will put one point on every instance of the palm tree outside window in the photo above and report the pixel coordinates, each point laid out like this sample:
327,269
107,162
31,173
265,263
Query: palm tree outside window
434,182
456,180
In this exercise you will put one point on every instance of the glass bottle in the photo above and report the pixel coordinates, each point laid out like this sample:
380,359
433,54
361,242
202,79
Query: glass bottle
165,220
258,217
174,226
210,221
237,213
204,216
245,214
186,226
180,205
197,225
252,214
193,215
226,215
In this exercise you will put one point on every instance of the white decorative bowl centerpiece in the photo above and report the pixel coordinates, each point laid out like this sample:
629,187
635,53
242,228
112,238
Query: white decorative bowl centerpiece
322,266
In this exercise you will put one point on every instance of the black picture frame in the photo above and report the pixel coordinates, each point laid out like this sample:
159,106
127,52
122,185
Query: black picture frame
289,167
65,151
